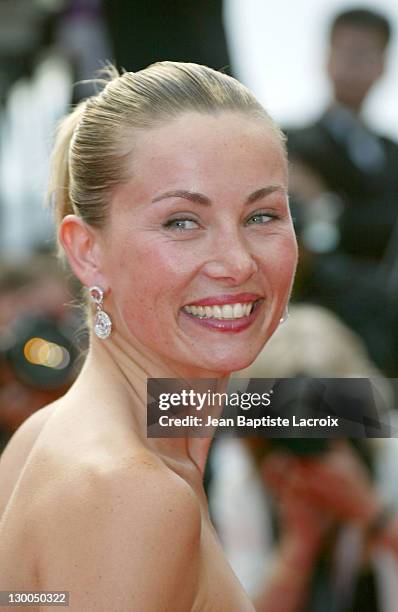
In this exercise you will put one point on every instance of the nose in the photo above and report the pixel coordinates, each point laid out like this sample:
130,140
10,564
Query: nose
230,259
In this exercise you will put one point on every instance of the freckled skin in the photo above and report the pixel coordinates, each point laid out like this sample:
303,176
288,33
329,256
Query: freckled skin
155,271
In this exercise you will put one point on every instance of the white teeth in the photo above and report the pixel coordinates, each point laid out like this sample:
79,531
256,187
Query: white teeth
217,312
239,310
226,311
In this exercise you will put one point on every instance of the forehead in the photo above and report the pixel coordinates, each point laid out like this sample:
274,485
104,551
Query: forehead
207,152
351,35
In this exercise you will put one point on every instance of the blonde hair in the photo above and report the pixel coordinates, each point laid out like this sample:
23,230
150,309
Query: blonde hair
94,142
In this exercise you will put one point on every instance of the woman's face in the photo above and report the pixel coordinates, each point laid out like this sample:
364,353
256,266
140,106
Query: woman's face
202,226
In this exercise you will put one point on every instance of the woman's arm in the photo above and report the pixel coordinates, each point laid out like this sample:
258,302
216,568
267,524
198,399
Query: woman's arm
17,451
121,539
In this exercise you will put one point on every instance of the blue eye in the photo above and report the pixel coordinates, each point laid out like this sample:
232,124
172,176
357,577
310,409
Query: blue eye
260,219
181,224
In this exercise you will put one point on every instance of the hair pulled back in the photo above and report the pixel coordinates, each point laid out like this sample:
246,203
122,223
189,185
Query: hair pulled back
96,140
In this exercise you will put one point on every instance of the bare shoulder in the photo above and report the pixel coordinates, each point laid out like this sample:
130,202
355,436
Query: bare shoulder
126,534
17,452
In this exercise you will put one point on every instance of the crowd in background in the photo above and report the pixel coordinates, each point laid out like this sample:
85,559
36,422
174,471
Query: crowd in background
344,198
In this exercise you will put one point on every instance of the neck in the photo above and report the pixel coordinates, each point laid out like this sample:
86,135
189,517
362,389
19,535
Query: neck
354,108
119,374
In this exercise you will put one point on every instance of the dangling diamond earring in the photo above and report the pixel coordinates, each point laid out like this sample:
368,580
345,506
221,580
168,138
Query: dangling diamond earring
102,321
285,316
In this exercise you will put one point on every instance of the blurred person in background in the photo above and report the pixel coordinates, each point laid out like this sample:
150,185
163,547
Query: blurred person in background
37,339
292,512
344,187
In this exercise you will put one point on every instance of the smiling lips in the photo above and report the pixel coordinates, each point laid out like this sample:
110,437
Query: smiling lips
225,313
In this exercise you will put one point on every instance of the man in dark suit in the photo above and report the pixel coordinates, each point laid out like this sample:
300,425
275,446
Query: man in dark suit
344,185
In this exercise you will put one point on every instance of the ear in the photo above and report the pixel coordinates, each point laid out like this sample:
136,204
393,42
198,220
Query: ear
83,250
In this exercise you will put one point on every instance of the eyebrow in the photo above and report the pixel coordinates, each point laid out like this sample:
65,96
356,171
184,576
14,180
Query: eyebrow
199,198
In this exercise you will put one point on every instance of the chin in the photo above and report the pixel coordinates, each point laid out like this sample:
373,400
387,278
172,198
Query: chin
242,365
229,363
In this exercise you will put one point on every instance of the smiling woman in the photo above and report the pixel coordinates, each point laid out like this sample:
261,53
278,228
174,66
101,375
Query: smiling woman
170,189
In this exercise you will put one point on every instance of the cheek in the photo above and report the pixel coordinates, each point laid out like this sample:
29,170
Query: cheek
279,261
149,274
151,254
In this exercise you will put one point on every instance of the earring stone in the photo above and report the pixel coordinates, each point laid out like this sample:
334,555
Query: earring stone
285,316
102,321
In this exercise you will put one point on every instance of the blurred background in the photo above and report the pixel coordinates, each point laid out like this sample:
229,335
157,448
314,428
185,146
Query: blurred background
332,86
291,38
